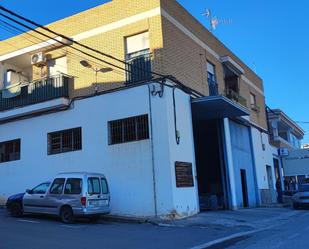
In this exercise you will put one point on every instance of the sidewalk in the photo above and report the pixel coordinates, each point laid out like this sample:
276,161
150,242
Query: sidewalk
247,219
224,227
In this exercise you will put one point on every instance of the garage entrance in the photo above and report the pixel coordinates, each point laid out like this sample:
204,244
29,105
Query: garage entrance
210,165
208,114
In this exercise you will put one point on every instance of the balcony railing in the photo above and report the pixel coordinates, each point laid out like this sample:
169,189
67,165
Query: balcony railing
231,94
138,69
213,87
36,92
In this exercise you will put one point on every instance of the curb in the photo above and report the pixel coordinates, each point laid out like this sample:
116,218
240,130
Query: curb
227,239
124,219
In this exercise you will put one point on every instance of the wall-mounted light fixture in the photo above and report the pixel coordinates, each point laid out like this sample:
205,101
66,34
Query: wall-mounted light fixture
96,70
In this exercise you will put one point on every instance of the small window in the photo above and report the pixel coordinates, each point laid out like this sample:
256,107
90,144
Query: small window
40,189
73,186
137,45
211,72
57,186
252,99
10,151
128,129
64,141
104,186
93,186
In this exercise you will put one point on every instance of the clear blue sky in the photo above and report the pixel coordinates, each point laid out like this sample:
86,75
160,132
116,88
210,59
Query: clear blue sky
271,37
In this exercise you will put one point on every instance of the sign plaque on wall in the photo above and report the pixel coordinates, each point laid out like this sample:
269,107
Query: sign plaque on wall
184,174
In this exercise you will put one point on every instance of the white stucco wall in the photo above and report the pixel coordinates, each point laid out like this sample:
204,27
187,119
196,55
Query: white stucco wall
262,157
129,167
185,199
297,163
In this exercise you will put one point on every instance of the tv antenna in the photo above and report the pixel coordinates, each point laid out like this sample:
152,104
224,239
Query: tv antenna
214,21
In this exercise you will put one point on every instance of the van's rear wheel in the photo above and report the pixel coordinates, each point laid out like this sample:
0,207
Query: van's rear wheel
66,215
16,210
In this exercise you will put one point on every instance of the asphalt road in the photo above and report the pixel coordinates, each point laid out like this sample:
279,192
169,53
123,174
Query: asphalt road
32,232
290,234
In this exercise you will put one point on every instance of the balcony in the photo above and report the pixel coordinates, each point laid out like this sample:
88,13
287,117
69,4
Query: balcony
231,94
138,69
36,92
213,87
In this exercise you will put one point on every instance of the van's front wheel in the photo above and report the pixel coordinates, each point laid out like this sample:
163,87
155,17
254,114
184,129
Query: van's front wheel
66,215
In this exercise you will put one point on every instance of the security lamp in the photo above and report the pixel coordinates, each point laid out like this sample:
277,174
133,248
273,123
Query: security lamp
96,70
85,63
106,70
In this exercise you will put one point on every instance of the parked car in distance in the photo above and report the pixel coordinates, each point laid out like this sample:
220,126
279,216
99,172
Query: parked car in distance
301,198
14,203
68,195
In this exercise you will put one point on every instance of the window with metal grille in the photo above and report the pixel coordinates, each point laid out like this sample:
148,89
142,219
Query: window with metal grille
10,150
64,141
128,129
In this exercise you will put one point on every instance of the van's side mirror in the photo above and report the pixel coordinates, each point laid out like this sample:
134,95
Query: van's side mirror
28,191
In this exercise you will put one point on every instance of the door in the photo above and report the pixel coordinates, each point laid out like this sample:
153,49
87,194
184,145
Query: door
53,199
33,199
98,197
244,188
269,177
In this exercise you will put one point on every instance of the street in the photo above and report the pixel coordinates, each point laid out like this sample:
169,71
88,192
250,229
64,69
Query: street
32,232
291,234
38,233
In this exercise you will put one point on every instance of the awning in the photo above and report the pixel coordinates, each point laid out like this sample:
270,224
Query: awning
216,107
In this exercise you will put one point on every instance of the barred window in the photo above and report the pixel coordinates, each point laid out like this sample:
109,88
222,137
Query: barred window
10,151
64,141
128,129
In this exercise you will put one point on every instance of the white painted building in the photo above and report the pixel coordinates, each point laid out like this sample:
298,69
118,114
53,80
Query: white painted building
296,167
141,173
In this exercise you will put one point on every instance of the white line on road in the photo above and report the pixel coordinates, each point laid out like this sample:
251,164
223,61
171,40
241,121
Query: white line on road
221,240
293,236
29,221
68,226
230,237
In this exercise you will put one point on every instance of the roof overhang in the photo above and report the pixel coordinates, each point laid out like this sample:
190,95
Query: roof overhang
232,65
216,107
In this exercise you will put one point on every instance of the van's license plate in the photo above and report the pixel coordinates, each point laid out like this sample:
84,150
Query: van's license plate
96,203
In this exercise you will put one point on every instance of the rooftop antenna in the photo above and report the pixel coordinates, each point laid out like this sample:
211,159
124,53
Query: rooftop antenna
214,21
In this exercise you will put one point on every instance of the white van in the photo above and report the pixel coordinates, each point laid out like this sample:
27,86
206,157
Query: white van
69,195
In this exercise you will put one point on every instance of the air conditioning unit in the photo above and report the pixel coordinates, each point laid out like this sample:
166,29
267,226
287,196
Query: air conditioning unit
38,59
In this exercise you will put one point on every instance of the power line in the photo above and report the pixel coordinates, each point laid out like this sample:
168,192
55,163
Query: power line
11,28
66,38
302,122
63,43
172,78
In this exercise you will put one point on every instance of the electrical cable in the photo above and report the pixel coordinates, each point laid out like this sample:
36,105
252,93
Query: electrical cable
65,44
193,92
11,29
64,37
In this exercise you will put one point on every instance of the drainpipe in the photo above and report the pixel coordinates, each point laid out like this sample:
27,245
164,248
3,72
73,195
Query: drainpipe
230,163
152,154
